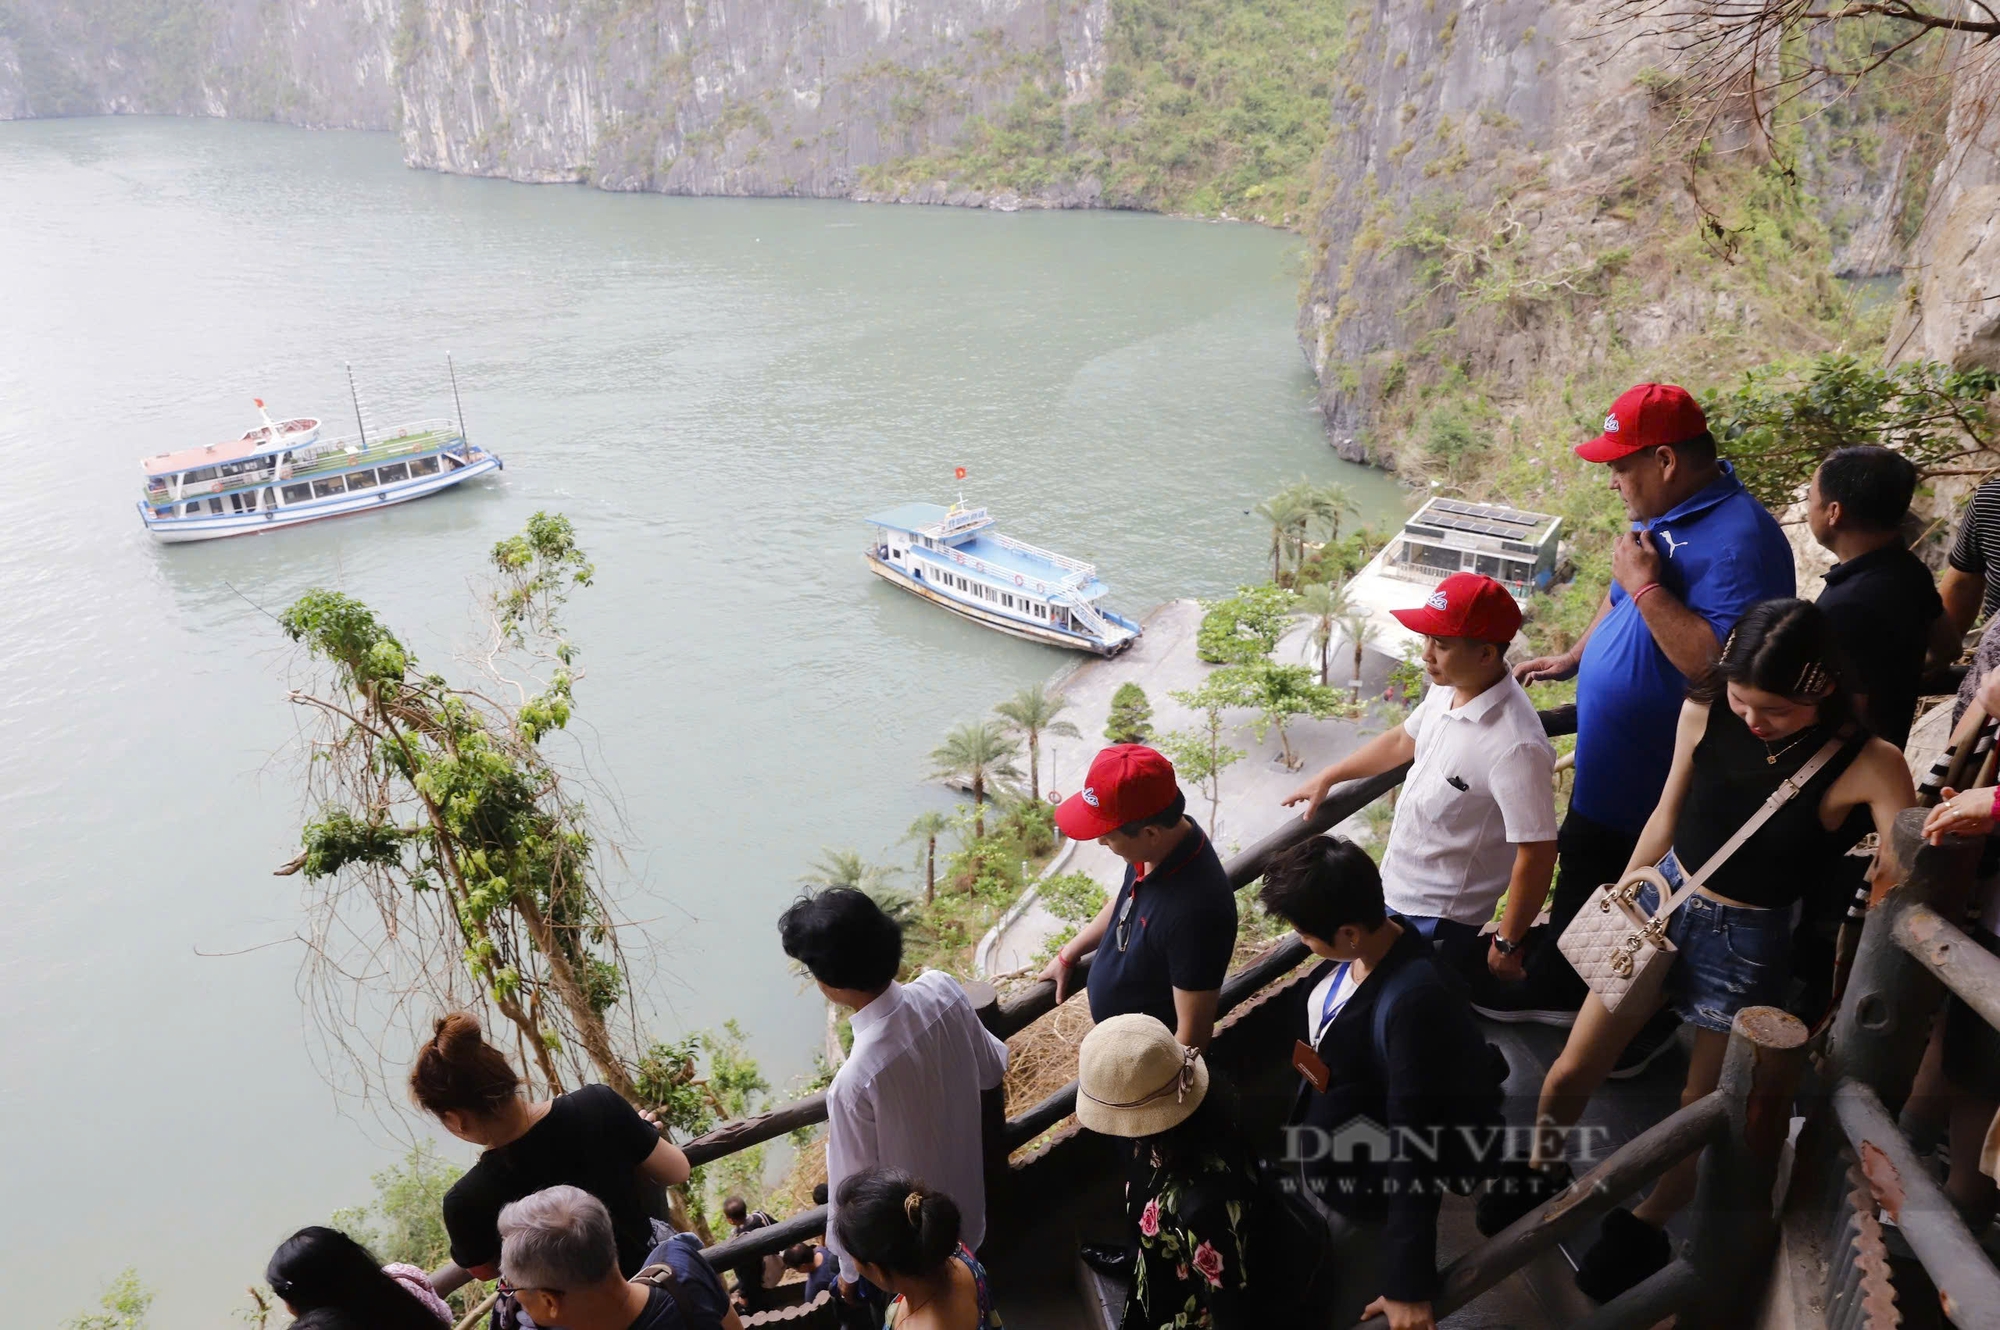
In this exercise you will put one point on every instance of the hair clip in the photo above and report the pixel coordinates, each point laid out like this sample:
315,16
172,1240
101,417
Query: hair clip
1729,641
913,1206
1813,680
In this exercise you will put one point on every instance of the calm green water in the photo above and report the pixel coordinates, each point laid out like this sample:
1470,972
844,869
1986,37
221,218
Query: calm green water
715,391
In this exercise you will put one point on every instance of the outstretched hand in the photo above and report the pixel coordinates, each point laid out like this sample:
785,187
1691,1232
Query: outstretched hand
1967,813
1312,794
1545,669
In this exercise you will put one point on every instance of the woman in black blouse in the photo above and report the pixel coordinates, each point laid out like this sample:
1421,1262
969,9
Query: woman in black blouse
1771,703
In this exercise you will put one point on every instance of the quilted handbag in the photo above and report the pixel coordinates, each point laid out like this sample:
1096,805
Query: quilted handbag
1617,949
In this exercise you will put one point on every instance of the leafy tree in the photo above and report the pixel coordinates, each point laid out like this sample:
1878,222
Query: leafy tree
1200,755
124,1305
1325,603
1074,898
1278,693
446,844
699,1082
1784,417
1031,713
1325,506
1131,720
1244,627
978,752
925,831
405,1222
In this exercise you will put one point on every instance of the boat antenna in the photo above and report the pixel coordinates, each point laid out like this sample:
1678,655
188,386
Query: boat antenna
453,371
356,397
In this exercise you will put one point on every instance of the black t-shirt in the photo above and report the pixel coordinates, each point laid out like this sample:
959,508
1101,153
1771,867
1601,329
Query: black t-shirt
1882,606
590,1138
701,1288
1180,929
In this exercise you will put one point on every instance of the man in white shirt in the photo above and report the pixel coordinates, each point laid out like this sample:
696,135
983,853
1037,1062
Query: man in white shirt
1476,819
908,1095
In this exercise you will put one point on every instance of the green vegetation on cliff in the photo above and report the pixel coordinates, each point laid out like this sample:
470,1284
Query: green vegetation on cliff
1204,106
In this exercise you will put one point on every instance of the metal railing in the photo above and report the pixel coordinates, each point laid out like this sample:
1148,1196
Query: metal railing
1088,570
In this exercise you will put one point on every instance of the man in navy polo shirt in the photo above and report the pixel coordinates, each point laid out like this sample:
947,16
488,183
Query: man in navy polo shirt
1163,942
1699,553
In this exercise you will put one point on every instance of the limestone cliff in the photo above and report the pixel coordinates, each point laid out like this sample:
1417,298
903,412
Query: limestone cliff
318,63
1952,312
1502,195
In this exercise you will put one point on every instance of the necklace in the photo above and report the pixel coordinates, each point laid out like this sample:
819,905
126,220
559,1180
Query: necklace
1771,755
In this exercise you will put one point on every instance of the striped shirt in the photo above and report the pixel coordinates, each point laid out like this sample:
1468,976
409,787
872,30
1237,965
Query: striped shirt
1977,549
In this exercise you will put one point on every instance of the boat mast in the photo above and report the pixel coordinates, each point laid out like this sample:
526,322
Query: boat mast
454,397
356,398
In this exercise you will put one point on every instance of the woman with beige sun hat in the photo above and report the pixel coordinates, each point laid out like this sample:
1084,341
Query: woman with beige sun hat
1190,1190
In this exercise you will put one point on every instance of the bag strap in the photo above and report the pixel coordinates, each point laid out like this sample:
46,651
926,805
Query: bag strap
1787,788
663,1276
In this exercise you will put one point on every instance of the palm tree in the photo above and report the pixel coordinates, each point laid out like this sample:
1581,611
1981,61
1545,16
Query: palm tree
1324,506
1324,603
927,828
1032,713
846,868
977,752
1360,629
1285,511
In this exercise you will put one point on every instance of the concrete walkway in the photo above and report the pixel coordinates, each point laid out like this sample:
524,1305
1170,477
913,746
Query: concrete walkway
1164,661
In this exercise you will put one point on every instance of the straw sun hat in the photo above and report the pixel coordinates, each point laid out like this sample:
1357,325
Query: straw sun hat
1135,1079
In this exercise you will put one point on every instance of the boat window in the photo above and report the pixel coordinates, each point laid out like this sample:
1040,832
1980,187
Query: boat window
393,472
424,466
215,506
297,493
360,480
192,510
323,488
205,473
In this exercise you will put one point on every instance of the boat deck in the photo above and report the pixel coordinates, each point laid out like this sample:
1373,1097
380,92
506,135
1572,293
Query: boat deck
378,450
1010,565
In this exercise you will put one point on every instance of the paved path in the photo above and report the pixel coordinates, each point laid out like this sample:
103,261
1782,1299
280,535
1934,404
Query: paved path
1164,661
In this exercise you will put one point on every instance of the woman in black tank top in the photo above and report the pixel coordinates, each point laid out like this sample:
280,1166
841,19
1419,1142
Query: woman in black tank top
1771,704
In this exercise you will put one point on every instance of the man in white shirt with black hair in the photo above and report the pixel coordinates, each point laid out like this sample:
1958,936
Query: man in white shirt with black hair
908,1095
1476,819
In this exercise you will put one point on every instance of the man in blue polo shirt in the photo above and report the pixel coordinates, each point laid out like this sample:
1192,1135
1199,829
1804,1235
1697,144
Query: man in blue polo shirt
1699,553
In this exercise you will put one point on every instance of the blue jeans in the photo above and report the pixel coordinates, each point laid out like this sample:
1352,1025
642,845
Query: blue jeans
1728,956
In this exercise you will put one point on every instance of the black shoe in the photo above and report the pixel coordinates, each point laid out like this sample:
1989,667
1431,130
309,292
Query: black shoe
1516,1190
1655,1037
1628,1253
1112,1262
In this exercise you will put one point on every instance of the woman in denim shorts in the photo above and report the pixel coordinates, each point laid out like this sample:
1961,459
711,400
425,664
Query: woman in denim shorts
1773,700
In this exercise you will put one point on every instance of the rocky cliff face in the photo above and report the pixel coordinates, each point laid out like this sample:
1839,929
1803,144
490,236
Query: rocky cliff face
1502,196
1953,313
319,63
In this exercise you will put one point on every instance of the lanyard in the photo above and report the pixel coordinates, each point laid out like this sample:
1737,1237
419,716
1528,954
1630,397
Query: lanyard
1332,1005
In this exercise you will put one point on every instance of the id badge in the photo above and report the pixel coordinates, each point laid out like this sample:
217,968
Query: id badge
1309,1065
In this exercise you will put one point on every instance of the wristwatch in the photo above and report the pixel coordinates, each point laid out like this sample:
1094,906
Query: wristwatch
1504,947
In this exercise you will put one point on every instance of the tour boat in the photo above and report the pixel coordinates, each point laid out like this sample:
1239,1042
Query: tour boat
952,557
282,473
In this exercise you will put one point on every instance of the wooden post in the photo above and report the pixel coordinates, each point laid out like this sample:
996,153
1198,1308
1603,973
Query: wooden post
1736,1224
1885,1016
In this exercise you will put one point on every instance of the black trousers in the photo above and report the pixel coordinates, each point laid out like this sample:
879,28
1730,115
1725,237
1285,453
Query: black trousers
1588,854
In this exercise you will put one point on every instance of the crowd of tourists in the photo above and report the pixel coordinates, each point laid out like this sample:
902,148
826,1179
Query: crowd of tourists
1738,767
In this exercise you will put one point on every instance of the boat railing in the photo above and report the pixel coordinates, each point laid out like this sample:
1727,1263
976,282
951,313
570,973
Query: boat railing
1087,570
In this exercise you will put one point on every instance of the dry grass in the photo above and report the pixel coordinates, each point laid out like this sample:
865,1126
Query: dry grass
1042,1058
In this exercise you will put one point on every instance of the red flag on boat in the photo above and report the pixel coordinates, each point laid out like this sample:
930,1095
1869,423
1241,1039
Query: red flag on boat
259,401
957,474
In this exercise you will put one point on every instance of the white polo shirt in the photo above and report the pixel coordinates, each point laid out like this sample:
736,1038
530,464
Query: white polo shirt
1481,783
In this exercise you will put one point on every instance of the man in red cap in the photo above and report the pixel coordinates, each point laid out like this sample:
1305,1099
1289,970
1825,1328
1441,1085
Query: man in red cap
1701,550
1163,942
1477,816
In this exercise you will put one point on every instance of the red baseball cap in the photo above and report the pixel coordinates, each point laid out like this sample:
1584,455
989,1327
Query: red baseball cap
1466,605
1126,782
1647,416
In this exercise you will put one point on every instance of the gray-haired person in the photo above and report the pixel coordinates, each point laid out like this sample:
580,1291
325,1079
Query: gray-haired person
559,1263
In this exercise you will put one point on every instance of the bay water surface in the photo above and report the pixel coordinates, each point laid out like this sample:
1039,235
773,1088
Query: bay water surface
715,392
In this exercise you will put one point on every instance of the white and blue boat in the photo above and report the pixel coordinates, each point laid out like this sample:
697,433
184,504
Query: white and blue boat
952,557
282,473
